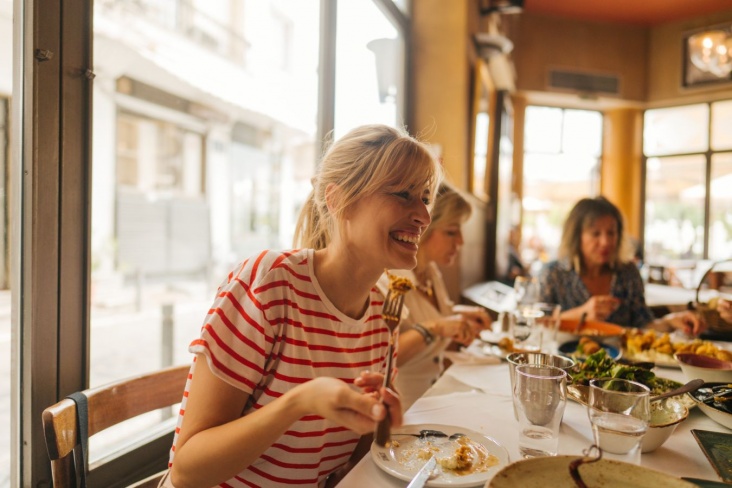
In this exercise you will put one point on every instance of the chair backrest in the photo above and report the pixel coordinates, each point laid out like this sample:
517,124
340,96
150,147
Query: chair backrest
108,405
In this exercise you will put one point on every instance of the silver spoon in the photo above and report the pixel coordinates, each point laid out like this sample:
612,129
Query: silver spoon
690,386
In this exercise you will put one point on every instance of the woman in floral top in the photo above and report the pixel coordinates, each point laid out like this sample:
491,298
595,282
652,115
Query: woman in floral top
591,277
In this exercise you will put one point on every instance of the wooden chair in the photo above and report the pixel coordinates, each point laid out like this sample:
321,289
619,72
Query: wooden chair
109,405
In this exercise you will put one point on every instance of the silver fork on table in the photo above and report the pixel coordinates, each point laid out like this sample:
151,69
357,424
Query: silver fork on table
392,314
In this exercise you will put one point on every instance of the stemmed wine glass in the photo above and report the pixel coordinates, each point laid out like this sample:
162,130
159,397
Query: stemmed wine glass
524,323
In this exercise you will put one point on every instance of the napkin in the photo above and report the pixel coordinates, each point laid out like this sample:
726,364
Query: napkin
488,379
468,357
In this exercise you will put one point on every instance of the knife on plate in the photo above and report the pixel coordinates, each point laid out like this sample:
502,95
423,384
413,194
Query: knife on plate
423,474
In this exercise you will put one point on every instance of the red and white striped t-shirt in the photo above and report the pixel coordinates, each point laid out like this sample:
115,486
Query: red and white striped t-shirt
271,328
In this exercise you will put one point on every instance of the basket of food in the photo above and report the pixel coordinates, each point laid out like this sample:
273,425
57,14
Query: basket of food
714,280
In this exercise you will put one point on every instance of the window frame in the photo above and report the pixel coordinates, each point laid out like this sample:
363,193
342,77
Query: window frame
51,216
708,155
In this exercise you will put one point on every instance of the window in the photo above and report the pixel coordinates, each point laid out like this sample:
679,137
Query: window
212,156
6,86
688,170
206,125
562,152
369,68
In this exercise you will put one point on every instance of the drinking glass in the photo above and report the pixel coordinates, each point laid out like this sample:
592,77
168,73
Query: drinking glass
525,330
619,412
548,321
540,395
526,289
536,358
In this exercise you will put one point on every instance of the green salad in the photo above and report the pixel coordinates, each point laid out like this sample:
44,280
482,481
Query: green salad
600,365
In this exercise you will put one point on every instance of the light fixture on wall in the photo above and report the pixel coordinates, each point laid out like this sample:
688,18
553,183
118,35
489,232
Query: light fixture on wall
711,51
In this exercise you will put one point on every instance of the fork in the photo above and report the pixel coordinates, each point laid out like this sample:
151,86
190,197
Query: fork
392,314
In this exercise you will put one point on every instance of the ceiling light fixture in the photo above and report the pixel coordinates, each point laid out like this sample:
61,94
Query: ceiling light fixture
711,51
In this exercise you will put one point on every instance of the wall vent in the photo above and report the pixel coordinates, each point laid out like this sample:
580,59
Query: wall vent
584,82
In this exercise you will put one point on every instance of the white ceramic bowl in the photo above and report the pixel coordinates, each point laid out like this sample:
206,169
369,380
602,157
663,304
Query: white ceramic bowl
666,415
711,370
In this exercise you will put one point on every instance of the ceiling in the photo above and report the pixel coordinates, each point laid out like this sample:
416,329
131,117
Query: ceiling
631,12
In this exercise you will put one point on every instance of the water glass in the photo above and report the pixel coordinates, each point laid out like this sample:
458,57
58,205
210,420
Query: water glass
549,322
619,412
525,330
526,289
540,395
536,358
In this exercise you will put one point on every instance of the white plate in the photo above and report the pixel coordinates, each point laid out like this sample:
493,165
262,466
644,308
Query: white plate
543,472
662,360
403,463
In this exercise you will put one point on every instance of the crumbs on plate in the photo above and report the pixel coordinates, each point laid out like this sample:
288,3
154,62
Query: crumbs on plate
459,456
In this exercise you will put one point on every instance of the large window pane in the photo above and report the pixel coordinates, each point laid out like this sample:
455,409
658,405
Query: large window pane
204,126
369,68
582,132
676,130
674,219
720,226
543,130
561,165
6,88
721,133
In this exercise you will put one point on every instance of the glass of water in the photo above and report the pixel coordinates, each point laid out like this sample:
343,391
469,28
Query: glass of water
619,412
540,395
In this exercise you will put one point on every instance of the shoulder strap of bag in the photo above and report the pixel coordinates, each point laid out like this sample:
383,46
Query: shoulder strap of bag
81,451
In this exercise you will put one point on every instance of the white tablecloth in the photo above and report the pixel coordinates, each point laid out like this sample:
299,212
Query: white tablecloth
477,397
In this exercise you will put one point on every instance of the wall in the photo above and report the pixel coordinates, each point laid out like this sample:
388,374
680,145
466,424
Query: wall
543,43
665,64
441,87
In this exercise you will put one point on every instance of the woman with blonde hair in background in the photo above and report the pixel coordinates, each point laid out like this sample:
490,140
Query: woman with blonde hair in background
432,321
287,374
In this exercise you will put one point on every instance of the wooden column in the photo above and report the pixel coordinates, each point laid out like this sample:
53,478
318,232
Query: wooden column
441,81
622,166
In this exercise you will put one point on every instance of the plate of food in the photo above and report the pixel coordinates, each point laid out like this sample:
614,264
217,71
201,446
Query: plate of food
585,346
499,345
600,365
571,329
660,347
715,400
464,457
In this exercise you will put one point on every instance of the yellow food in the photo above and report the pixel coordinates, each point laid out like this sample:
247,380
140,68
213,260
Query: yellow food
587,346
652,345
399,284
506,344
713,303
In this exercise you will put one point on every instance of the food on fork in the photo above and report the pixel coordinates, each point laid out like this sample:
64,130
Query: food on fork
399,284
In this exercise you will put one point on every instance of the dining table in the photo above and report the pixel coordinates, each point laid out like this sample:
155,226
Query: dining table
476,395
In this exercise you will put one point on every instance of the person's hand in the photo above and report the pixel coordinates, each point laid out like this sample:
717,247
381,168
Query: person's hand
456,327
334,400
724,307
599,307
369,382
687,322
477,317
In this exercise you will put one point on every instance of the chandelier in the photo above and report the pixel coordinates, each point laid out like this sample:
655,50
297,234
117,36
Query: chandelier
711,52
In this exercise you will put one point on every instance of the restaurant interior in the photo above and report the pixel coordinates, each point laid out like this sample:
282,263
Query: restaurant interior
147,147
